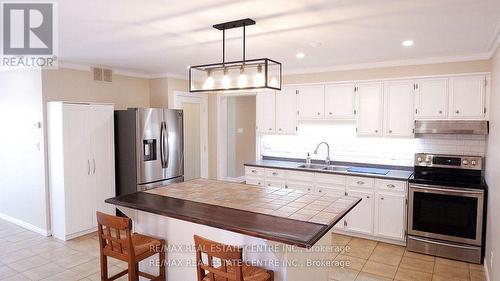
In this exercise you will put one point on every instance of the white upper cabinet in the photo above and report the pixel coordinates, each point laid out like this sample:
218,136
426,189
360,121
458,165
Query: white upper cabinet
339,101
369,107
467,97
266,112
399,106
311,102
286,111
431,98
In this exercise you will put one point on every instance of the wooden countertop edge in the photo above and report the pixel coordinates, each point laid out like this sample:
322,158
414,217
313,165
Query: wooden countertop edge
299,243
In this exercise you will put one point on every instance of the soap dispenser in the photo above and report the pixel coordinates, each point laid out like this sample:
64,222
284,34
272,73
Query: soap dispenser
308,159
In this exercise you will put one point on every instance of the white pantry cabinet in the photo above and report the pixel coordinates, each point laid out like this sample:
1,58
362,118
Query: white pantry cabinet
431,98
81,166
399,115
339,101
467,97
266,112
369,109
390,215
311,102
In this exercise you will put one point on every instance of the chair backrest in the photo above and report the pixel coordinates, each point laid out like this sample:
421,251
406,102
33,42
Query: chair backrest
111,239
230,257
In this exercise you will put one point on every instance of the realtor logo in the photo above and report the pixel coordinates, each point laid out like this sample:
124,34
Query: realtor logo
28,34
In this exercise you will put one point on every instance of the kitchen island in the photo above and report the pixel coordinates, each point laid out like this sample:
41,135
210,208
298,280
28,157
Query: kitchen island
286,231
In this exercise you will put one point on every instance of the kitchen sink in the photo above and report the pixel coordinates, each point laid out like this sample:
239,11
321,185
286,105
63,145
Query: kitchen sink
323,167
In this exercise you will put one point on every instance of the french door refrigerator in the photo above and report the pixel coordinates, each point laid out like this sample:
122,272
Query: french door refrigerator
149,148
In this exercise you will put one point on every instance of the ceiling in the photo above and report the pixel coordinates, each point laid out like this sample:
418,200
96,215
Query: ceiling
166,36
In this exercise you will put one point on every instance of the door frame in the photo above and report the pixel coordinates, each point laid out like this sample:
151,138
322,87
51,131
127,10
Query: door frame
202,100
222,134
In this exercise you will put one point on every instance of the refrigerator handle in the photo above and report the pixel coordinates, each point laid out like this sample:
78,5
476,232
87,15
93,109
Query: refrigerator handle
168,146
162,135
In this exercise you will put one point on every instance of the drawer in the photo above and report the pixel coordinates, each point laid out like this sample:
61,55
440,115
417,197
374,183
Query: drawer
360,182
330,179
303,186
275,173
300,176
255,181
278,184
330,191
390,185
254,171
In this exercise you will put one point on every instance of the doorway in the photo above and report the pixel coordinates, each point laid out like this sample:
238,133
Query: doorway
237,145
195,111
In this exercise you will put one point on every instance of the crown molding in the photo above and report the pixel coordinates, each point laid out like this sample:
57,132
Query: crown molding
495,41
116,71
393,63
168,75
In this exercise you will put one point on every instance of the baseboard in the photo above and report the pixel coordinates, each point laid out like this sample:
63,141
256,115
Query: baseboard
486,271
25,225
370,237
235,179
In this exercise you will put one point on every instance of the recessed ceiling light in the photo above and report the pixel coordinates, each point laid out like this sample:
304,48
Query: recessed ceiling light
300,55
408,43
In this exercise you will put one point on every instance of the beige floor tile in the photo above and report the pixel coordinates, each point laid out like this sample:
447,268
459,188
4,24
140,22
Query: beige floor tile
444,269
343,274
477,267
111,271
380,269
453,263
477,275
414,255
28,263
417,264
411,275
362,242
17,277
363,276
386,254
339,239
6,271
58,253
351,262
15,256
44,271
71,261
87,269
363,252
66,275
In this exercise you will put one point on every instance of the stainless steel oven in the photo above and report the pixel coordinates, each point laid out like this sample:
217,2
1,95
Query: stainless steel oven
446,204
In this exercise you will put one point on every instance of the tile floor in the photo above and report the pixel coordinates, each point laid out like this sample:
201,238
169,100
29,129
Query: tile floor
25,255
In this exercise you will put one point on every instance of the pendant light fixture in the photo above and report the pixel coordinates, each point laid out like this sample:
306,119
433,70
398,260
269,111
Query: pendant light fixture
235,75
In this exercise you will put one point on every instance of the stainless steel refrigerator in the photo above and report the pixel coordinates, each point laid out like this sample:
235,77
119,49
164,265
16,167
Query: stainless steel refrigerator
149,148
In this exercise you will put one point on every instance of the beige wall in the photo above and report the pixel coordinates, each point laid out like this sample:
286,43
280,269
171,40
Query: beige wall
162,90
493,174
212,136
390,72
78,85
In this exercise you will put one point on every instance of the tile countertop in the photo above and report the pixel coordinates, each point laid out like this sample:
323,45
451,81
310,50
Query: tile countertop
289,216
395,172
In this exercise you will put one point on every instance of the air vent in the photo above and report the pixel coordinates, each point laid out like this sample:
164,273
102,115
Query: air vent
97,73
107,75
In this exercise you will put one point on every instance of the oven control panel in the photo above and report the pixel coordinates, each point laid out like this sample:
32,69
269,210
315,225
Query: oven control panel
449,161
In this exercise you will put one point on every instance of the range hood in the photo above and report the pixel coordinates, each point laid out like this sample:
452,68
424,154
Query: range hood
462,127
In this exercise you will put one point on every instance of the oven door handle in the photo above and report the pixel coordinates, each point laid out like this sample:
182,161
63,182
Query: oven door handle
432,188
442,244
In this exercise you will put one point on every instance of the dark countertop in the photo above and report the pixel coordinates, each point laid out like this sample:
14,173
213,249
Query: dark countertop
289,231
395,172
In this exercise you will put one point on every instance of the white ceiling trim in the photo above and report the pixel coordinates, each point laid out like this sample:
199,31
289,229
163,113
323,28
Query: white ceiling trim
495,41
168,75
116,71
393,63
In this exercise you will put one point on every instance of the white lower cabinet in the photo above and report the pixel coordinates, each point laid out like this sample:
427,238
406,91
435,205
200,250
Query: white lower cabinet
390,215
360,219
380,214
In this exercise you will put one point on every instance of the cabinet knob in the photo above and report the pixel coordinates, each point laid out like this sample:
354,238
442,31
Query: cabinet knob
280,129
286,186
376,131
457,112
275,174
360,182
270,129
258,183
308,189
320,190
440,112
254,171
381,198
391,186
330,113
390,131
319,113
368,197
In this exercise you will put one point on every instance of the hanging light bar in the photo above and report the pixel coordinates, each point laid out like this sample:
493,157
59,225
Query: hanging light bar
235,75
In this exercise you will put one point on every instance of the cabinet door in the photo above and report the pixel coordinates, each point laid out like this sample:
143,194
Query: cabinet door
467,97
360,219
79,195
399,116
390,215
431,98
102,162
311,102
339,101
286,111
369,107
266,112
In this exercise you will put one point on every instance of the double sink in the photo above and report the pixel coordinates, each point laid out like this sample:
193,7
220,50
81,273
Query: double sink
324,167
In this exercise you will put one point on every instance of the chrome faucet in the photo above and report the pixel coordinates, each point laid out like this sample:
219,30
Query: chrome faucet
327,160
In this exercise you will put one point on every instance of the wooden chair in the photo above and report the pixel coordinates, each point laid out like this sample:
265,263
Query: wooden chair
231,263
117,241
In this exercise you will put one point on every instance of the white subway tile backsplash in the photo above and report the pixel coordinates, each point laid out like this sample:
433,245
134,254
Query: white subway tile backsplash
346,146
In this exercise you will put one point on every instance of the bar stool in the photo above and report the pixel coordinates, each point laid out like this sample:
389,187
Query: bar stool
132,248
231,263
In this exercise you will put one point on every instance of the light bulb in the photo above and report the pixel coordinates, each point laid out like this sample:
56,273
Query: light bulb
273,82
259,77
242,79
209,83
